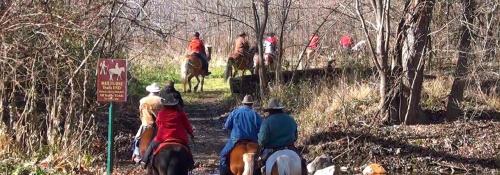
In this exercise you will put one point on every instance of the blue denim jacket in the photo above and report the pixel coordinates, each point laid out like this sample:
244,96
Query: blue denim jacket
244,123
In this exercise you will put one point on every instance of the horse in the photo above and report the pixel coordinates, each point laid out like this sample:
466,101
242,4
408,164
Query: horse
242,158
170,158
240,62
116,71
284,162
268,61
192,67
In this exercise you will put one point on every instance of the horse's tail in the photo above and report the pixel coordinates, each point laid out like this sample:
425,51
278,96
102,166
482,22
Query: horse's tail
283,163
229,69
184,69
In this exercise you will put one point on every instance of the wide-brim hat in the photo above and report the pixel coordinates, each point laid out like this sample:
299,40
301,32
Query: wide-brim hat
248,99
153,88
273,104
169,100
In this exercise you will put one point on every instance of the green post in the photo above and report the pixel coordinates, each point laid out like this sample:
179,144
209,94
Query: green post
109,163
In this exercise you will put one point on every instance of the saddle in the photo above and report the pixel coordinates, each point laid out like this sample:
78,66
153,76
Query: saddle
194,59
177,147
168,144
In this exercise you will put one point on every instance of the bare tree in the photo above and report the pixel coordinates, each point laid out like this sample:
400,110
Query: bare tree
458,87
260,23
413,36
380,52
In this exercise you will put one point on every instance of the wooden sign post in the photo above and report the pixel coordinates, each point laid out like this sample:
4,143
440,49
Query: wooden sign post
111,87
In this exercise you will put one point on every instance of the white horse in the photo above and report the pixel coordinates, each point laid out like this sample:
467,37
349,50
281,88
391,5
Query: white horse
116,71
359,46
285,162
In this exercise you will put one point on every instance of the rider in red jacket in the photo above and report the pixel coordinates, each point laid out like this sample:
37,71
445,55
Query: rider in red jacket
197,46
172,126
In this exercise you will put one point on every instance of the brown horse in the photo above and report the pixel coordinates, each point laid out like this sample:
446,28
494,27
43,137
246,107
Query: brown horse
242,158
170,158
240,62
192,67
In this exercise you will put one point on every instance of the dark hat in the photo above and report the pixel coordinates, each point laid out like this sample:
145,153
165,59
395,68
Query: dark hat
243,34
169,100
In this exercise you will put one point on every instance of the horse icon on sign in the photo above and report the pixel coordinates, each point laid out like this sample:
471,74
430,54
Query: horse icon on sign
116,71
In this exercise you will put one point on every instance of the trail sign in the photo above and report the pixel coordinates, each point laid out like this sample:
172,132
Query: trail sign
111,87
112,80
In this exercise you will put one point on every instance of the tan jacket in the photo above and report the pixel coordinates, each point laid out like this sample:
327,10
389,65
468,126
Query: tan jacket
241,46
148,109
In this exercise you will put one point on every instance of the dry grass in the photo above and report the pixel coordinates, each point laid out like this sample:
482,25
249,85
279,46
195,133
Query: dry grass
435,93
493,102
317,107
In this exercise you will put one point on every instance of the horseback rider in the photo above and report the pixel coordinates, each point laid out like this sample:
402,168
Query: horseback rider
197,47
346,42
241,46
270,44
172,126
148,107
272,138
312,47
244,123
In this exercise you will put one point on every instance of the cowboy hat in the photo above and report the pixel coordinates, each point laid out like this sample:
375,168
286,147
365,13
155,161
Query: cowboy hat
169,100
153,88
248,99
273,104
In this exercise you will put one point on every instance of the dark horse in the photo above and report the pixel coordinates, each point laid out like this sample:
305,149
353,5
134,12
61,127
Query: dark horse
171,158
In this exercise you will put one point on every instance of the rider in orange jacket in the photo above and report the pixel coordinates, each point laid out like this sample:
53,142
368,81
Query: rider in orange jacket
196,46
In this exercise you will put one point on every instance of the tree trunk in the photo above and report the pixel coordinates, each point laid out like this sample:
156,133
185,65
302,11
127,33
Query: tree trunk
260,27
413,58
457,89
409,62
286,4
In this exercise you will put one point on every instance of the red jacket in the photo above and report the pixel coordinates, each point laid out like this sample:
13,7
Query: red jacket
273,40
173,125
346,41
196,45
314,42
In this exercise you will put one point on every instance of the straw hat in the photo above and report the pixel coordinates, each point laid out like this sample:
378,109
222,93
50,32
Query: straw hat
169,100
153,88
273,104
248,99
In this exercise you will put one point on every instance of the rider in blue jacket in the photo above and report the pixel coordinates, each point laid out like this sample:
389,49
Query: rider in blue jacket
244,123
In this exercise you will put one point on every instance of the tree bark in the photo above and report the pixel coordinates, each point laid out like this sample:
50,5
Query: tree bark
453,109
408,64
413,58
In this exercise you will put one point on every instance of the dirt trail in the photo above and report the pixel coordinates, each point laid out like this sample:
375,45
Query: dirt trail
205,113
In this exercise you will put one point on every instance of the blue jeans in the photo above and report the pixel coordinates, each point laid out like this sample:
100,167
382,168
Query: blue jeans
223,163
